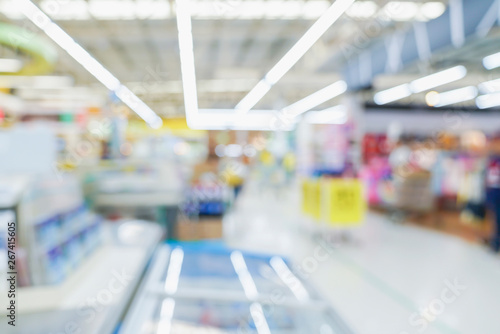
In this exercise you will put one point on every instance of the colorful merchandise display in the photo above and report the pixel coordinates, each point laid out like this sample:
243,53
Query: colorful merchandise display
493,197
378,182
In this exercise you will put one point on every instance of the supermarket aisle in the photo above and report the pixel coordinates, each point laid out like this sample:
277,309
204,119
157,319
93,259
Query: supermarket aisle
389,279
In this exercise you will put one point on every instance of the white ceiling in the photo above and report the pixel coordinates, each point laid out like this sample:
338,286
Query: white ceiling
235,43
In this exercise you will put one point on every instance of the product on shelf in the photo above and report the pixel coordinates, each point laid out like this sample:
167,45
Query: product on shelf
56,230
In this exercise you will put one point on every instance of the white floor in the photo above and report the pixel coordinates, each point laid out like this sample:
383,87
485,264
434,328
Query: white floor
386,278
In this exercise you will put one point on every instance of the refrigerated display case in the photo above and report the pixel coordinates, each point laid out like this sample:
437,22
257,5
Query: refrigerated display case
208,288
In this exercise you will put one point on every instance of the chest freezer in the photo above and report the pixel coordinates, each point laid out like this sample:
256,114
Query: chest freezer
207,288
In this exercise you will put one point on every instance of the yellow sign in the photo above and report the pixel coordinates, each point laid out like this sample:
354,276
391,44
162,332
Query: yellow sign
175,126
311,198
345,202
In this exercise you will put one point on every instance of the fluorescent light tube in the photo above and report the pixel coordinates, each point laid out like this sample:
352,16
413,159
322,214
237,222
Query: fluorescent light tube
492,61
61,38
420,85
187,61
392,94
454,96
316,99
140,108
488,101
362,10
254,96
490,86
438,79
401,10
294,54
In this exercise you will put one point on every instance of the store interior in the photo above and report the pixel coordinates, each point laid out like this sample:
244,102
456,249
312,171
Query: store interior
249,166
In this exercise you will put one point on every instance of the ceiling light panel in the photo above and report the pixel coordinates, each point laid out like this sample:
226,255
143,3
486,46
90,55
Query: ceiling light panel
431,10
401,10
275,9
362,10
10,10
314,9
293,9
66,10
214,9
112,9
153,9
251,10
106,9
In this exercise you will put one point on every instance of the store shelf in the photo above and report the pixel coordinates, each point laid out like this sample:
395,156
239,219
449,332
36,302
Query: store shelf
93,297
138,199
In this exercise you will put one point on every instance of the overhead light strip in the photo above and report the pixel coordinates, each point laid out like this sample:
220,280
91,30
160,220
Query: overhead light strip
246,10
438,79
187,61
491,86
455,96
315,99
491,62
420,85
392,94
61,38
294,54
488,101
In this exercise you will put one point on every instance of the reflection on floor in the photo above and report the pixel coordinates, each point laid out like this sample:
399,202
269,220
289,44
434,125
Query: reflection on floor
385,278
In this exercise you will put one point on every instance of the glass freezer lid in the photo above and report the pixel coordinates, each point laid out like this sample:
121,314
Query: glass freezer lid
179,316
230,271
211,289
